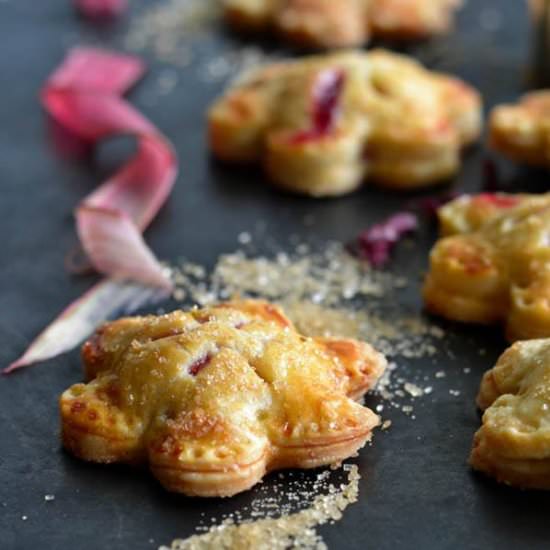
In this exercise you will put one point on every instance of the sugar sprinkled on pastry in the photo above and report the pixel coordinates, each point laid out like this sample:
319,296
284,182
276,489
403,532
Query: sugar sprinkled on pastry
522,131
338,23
214,398
323,124
493,263
513,443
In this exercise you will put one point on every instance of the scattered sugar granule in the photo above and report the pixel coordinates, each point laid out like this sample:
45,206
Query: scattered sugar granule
289,529
325,293
244,238
167,81
167,27
413,389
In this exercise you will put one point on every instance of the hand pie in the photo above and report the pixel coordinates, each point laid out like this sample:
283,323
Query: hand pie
493,265
214,398
337,23
513,443
322,125
522,131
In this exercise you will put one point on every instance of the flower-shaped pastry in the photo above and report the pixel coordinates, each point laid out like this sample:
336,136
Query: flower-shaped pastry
522,131
337,23
494,263
214,398
321,125
513,443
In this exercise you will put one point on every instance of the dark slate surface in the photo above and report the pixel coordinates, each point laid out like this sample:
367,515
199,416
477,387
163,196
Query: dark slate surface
416,489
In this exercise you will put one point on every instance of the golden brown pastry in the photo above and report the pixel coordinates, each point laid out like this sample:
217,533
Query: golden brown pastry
522,131
513,443
214,398
322,125
493,264
331,24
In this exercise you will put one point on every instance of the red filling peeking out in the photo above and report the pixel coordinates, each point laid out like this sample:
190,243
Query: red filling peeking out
501,201
325,111
199,364
377,241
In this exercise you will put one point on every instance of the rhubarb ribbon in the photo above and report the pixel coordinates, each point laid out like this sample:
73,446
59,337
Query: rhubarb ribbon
83,97
80,318
377,241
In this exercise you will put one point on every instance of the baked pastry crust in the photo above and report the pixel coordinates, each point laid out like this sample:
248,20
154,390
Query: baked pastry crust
342,23
493,263
522,131
322,125
513,443
214,398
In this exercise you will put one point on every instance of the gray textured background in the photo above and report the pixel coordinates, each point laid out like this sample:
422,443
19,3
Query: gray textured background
416,490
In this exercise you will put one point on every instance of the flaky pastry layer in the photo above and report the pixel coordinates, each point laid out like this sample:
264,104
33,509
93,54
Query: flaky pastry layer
214,398
522,131
323,125
513,443
493,263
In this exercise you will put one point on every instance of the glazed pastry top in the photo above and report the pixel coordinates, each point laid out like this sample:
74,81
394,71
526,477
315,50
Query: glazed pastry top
233,389
518,226
375,92
522,376
227,362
